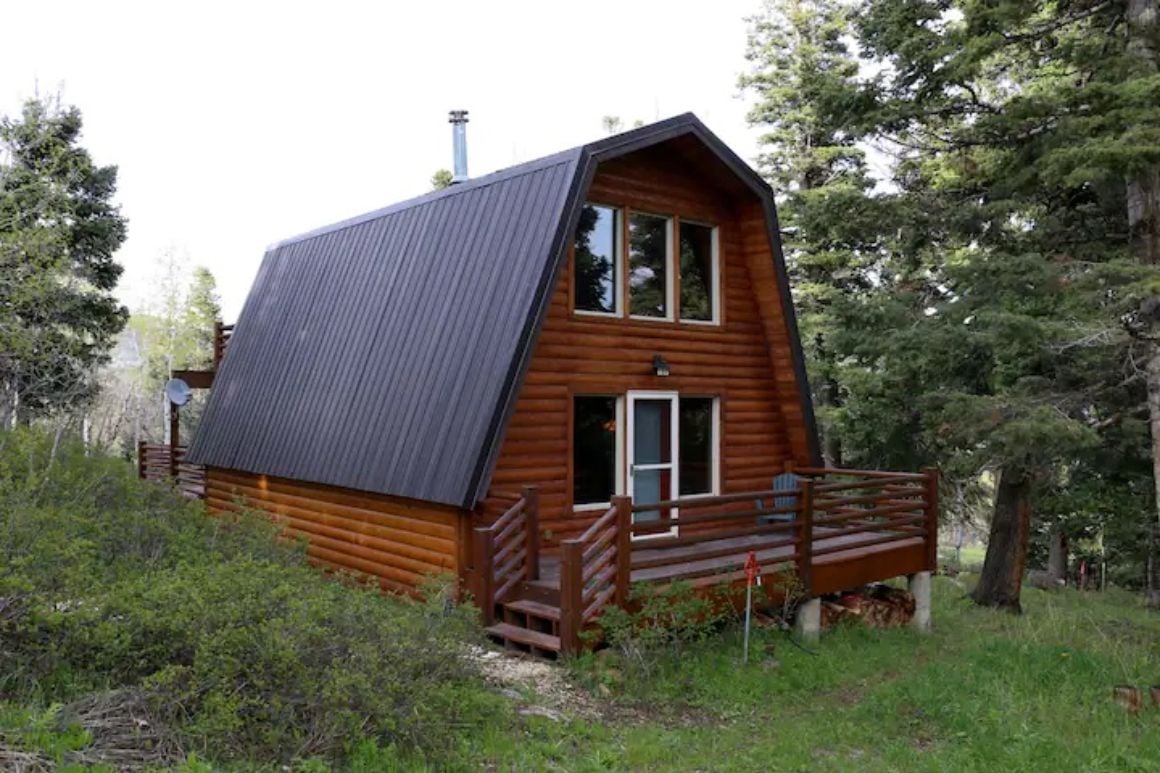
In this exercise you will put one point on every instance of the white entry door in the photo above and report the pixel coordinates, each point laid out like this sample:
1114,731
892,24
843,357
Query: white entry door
653,451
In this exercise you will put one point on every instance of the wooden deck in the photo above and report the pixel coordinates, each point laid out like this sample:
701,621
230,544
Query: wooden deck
713,571
837,530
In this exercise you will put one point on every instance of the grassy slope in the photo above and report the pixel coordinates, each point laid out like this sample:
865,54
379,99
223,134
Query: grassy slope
985,691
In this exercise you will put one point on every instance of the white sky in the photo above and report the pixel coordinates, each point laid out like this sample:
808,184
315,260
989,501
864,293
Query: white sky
236,124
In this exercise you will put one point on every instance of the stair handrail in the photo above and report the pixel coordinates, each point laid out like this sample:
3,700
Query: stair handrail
594,571
507,552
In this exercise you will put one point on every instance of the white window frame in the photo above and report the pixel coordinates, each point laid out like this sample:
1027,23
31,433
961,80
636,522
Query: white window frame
715,268
671,266
620,466
618,273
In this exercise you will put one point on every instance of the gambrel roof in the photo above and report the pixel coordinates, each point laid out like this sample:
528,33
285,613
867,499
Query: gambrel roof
385,353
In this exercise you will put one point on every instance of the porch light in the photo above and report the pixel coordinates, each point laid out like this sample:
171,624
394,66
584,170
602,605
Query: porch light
660,367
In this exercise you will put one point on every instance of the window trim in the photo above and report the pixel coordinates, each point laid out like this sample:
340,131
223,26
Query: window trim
618,476
671,267
618,260
714,269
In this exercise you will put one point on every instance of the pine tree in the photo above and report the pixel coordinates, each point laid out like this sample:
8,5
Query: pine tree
1020,123
833,228
58,232
199,320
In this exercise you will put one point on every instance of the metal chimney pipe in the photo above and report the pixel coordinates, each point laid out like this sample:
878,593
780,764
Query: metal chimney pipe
458,121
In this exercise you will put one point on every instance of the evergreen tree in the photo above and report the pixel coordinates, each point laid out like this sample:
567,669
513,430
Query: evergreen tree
58,232
801,67
1020,123
199,319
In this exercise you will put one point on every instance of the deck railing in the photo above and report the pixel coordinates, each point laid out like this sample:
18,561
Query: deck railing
221,339
163,462
594,571
507,552
829,511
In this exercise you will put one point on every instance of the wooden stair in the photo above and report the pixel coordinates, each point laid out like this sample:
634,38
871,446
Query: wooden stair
529,621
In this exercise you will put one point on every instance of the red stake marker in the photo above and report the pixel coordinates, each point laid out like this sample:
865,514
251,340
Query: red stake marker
752,575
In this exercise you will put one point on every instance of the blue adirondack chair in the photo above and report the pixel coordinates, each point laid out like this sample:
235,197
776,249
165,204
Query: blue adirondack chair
787,481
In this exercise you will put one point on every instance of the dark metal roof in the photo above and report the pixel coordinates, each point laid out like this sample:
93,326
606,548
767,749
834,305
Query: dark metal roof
384,353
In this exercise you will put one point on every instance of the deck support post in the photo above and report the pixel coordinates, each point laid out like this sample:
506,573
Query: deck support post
623,507
571,595
532,524
484,557
808,623
919,585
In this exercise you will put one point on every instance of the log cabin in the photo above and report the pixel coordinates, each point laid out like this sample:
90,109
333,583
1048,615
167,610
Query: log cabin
552,383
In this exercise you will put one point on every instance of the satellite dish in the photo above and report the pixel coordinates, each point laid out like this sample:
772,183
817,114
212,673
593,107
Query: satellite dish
177,391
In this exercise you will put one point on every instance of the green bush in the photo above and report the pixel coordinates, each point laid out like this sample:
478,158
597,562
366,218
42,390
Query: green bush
660,622
243,650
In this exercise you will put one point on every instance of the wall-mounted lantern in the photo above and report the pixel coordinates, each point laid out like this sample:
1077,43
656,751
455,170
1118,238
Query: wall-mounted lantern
660,367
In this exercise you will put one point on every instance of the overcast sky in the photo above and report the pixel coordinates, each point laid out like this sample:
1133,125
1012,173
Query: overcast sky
236,124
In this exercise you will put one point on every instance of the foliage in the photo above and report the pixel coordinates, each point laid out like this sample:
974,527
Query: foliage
58,232
441,179
659,623
963,303
984,691
243,650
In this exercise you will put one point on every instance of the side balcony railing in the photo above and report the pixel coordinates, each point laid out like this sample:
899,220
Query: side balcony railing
163,462
221,339
507,552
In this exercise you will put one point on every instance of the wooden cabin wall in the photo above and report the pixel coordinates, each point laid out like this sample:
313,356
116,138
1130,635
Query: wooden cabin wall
745,361
398,542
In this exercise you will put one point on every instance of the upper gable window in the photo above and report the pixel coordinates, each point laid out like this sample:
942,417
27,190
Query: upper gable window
698,250
650,278
654,267
597,251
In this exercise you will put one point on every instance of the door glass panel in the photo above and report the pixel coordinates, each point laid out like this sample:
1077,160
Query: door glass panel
649,486
652,429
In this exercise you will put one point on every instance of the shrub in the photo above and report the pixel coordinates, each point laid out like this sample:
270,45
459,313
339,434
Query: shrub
238,646
660,622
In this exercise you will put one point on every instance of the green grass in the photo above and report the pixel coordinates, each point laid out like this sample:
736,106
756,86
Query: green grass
985,691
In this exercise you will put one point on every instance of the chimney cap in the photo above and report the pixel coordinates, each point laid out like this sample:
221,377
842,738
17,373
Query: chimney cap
456,116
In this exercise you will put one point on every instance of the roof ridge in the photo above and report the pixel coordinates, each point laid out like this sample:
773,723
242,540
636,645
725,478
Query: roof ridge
477,183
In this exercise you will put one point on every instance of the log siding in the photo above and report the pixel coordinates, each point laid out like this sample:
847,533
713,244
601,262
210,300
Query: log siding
745,361
398,542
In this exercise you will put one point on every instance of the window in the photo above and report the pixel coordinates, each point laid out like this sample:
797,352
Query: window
594,457
661,252
596,247
649,280
698,250
697,427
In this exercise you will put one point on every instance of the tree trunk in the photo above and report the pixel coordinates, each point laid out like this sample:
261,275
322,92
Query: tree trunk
1152,385
1002,576
1057,555
1143,18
